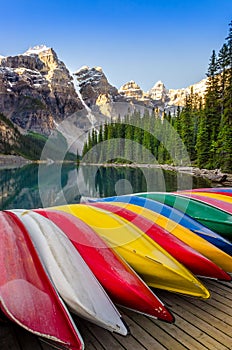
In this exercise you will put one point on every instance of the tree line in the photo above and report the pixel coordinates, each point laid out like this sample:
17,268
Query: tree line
203,126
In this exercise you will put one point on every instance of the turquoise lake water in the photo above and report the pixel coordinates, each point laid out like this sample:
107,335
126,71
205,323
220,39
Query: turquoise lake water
34,186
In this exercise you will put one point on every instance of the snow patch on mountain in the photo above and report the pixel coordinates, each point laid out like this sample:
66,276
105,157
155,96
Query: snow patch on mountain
36,50
90,115
88,75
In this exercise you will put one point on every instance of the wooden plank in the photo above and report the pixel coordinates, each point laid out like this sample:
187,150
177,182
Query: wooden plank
200,329
224,293
212,320
26,340
8,340
218,306
219,284
141,335
106,338
226,284
90,341
214,311
46,346
128,343
179,331
221,299
200,325
152,327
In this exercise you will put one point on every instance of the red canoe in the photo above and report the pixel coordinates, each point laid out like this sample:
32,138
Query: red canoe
121,283
194,261
27,296
219,204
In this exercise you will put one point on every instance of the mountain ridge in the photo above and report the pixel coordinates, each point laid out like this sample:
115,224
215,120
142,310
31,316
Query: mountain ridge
38,93
99,91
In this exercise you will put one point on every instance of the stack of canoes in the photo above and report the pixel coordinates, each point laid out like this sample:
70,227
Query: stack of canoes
86,258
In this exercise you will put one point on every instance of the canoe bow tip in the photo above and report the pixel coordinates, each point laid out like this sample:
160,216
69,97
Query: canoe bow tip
206,295
125,330
170,319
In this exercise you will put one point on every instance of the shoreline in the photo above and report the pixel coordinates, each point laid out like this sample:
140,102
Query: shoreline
215,175
15,161
12,161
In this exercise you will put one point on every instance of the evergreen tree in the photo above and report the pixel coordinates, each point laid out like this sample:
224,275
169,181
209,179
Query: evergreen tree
212,111
202,142
225,150
85,149
187,126
223,62
129,134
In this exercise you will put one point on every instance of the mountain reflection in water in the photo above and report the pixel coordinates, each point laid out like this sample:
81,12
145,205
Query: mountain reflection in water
34,186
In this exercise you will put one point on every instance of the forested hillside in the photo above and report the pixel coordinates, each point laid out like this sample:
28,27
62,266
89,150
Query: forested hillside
31,144
204,126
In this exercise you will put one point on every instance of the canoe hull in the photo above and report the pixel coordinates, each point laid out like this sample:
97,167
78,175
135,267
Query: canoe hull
70,274
26,294
157,268
121,283
190,258
176,208
193,239
213,218
215,200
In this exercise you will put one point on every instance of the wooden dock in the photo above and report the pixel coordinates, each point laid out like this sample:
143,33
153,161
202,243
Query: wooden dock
199,325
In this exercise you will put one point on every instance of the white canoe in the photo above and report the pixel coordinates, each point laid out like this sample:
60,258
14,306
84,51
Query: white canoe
71,276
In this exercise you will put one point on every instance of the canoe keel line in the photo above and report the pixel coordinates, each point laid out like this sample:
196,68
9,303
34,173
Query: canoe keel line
87,258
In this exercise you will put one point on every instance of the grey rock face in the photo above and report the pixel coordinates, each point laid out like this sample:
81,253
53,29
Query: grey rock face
94,86
36,90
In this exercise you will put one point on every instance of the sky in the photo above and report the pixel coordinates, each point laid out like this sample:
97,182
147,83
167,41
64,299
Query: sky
140,40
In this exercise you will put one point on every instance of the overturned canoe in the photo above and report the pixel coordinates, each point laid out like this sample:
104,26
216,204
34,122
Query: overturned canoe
70,274
27,296
121,283
157,267
213,218
190,258
221,190
215,200
184,231
159,207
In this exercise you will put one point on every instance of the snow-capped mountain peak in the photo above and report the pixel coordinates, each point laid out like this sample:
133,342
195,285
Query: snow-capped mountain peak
83,68
36,50
158,91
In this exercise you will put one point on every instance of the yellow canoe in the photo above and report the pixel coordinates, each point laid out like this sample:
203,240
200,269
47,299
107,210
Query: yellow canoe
198,243
157,267
217,196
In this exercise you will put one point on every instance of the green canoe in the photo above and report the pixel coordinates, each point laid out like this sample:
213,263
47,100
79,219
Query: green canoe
211,217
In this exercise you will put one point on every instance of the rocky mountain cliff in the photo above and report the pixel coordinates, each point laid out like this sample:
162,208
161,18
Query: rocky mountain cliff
36,90
132,92
94,86
9,136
